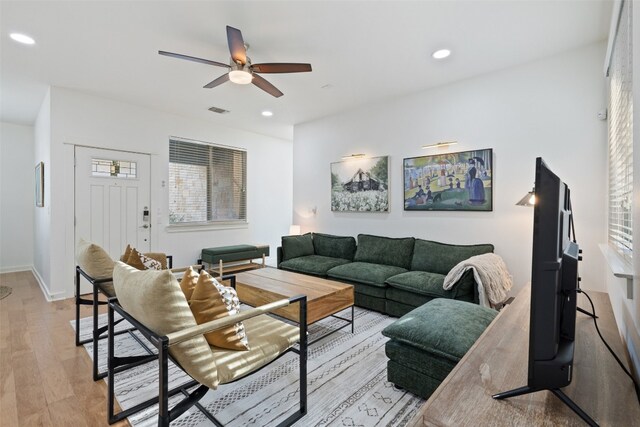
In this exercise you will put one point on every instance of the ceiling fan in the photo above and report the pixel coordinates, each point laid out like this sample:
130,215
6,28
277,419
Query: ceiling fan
241,70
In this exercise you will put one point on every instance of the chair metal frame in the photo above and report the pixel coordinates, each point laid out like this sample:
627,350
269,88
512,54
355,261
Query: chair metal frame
162,344
99,333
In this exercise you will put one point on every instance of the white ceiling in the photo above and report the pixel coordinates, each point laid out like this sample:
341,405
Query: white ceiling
365,51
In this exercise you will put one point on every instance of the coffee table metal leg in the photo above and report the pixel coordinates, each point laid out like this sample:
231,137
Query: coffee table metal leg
349,322
352,317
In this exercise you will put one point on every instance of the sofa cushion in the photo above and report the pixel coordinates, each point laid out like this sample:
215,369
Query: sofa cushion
366,273
406,297
368,301
316,265
385,250
334,246
296,246
430,284
398,309
421,282
443,327
436,257
372,291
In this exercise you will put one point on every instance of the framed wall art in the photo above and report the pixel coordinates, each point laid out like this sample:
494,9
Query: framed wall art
460,181
360,185
40,184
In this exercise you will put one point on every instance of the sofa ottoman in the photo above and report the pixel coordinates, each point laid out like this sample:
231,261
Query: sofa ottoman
427,343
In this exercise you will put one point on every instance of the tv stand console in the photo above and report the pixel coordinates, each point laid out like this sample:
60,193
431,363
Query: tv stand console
498,362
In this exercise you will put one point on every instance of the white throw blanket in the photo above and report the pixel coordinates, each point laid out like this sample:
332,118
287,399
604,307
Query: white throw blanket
491,274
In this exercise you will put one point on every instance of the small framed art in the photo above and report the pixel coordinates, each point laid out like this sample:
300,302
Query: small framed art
40,184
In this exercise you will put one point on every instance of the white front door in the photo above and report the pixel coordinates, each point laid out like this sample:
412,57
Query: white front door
112,200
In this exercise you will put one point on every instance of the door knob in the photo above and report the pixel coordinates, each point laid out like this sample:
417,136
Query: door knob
145,226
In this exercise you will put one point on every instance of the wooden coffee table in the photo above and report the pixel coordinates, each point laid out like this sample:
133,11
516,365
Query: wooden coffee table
324,297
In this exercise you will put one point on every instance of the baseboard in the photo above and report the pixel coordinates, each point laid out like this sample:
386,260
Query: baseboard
16,269
43,287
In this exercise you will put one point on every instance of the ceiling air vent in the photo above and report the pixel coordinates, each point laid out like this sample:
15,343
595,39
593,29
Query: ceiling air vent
218,110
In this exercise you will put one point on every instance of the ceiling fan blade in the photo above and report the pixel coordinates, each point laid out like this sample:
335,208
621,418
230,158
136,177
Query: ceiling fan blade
217,82
281,68
193,58
236,45
266,86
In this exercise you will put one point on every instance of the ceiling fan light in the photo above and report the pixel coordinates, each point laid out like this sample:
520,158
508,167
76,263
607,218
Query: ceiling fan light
240,77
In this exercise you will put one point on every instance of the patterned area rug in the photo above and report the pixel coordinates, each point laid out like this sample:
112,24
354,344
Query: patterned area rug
346,377
5,291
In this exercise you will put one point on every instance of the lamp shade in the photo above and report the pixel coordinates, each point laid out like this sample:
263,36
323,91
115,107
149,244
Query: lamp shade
294,230
529,199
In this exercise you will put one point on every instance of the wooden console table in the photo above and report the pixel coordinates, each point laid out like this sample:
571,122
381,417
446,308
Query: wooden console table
498,362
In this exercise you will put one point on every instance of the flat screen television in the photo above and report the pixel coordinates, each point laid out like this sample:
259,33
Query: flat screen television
554,286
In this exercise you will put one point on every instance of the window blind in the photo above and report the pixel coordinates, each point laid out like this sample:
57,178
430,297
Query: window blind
621,136
207,183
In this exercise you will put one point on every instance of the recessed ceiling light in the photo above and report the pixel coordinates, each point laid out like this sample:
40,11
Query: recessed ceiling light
22,38
441,54
267,113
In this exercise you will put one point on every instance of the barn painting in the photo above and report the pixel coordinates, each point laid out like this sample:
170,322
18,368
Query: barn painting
360,185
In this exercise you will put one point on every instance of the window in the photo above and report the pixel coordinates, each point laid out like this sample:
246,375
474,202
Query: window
113,168
207,183
621,136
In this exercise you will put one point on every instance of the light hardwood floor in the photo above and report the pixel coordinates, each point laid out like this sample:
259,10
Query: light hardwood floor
44,378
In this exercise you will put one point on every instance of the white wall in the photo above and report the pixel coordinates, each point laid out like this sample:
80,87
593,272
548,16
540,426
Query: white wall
546,108
16,197
81,119
42,215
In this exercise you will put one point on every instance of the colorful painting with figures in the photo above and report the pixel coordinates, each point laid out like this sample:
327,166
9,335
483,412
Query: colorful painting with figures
460,181
360,185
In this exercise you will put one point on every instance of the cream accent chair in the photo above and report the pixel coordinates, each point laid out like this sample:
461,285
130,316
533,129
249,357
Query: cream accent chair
154,302
96,266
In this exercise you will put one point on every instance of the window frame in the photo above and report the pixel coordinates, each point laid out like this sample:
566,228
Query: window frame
619,70
209,224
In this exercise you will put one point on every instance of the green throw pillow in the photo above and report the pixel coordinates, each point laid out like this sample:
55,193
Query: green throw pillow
296,246
334,246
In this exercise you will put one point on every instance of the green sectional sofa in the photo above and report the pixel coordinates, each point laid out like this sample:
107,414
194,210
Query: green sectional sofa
390,275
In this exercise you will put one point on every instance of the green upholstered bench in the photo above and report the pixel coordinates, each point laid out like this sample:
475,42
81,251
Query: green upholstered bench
427,343
234,258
